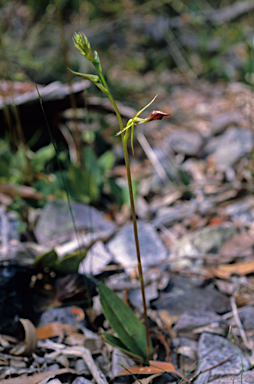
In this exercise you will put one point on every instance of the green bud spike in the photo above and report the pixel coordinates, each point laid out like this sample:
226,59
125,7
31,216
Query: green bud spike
82,44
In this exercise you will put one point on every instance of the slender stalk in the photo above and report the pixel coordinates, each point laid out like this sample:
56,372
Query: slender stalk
82,44
124,136
76,132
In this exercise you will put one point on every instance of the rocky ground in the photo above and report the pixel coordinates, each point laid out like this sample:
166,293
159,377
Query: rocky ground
195,210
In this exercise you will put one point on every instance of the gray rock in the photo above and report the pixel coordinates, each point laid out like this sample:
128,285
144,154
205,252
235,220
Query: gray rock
221,122
247,378
186,294
122,246
9,226
193,319
185,142
135,296
169,215
242,210
186,342
61,315
17,251
96,259
55,225
247,317
231,146
119,359
212,350
205,240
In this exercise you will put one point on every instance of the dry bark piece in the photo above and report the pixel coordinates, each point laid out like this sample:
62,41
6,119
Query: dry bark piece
224,271
35,379
54,329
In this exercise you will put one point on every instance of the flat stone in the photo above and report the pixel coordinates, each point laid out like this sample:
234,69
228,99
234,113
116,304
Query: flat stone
135,296
212,350
119,359
96,259
169,215
194,319
185,294
231,146
202,241
242,210
18,252
9,226
221,122
55,224
122,246
60,315
185,142
247,378
247,318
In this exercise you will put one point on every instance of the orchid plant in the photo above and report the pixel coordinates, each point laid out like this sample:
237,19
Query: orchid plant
127,341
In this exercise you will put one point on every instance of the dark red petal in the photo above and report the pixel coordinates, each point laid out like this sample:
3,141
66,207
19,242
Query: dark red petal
157,115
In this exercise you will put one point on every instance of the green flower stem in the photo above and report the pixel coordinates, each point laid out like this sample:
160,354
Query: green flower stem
124,136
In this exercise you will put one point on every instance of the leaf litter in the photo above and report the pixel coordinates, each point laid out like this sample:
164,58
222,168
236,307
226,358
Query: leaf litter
202,214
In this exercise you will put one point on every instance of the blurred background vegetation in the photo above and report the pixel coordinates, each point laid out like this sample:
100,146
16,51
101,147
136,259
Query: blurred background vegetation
141,44
134,38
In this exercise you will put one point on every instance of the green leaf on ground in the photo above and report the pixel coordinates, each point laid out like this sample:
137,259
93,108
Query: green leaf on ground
130,330
47,259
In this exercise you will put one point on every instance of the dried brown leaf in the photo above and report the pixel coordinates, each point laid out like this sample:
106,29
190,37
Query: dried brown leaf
237,245
30,340
224,271
154,367
54,329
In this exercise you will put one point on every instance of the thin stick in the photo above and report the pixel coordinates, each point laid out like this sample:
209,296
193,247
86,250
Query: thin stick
239,324
86,355
152,157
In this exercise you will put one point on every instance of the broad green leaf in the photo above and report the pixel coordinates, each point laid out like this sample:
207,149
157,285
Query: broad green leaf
4,170
47,259
70,263
82,185
41,157
116,191
91,166
118,344
106,161
128,327
18,167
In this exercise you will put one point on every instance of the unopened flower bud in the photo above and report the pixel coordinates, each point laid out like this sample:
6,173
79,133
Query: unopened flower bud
82,44
96,61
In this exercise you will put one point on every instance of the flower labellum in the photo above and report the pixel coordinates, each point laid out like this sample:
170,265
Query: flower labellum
156,115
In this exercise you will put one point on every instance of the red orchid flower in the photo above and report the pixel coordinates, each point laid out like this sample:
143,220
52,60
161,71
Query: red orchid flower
154,115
